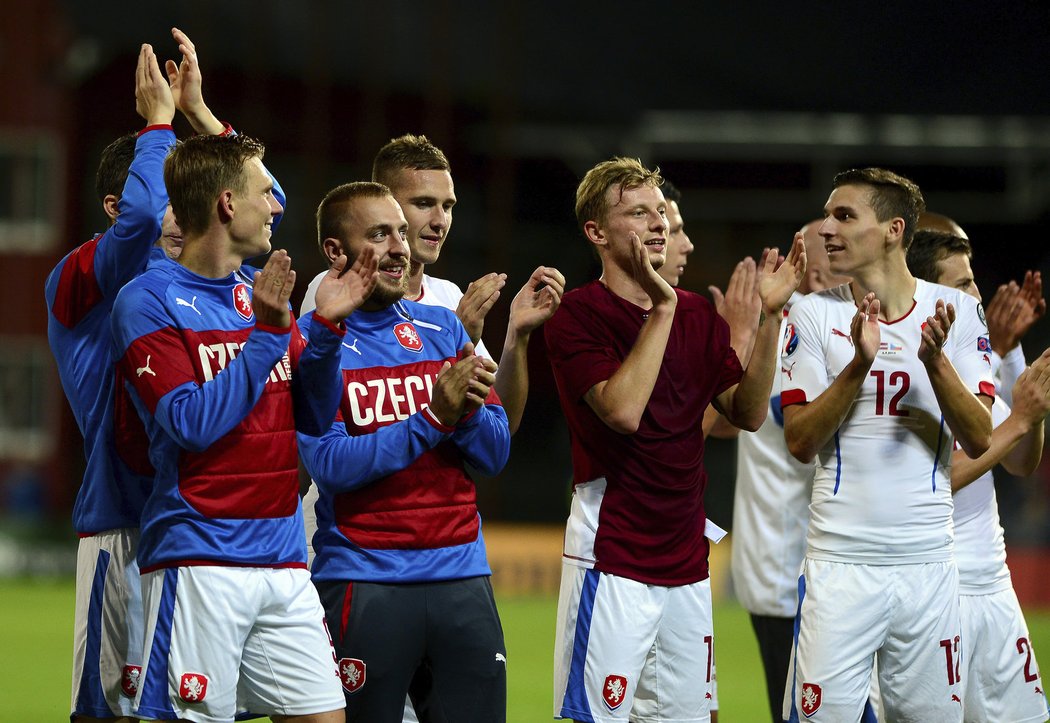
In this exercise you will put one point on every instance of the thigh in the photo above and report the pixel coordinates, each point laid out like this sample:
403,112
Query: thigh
920,664
465,650
1000,674
107,630
775,637
843,617
379,635
288,667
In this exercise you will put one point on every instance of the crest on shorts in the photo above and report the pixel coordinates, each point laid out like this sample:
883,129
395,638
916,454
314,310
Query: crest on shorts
129,680
811,694
790,340
242,301
614,691
408,337
194,687
352,674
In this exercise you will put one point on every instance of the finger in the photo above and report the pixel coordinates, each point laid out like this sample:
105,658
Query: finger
467,350
337,267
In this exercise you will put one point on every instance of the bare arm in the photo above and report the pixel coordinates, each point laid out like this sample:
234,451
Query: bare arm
808,427
621,400
185,80
529,309
966,414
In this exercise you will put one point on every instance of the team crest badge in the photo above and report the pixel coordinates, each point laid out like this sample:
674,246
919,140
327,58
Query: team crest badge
408,337
811,694
790,340
614,691
129,680
194,687
983,344
352,674
242,301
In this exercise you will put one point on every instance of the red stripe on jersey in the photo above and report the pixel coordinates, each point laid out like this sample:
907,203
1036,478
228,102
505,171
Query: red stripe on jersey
344,618
792,396
986,388
155,364
78,291
129,434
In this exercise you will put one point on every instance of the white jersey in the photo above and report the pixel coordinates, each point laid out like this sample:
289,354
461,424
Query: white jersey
434,292
980,550
770,515
882,487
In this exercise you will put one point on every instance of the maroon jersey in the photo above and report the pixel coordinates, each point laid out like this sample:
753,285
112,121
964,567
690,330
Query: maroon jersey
650,525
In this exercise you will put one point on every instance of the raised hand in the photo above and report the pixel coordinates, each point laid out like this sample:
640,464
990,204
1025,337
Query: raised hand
935,331
654,285
343,290
1032,391
778,281
864,329
477,301
153,99
462,387
186,87
741,305
1013,310
533,306
272,289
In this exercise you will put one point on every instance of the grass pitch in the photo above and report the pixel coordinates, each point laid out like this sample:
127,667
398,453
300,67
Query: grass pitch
36,623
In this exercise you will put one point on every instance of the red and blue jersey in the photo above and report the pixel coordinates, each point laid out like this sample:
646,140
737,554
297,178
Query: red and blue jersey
396,504
221,397
80,292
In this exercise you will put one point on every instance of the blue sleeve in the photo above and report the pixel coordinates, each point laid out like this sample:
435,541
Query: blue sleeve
125,247
484,439
338,462
317,385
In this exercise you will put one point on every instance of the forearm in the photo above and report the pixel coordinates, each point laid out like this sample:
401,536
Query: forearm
203,121
1015,443
484,439
621,400
808,427
512,377
750,399
317,387
966,415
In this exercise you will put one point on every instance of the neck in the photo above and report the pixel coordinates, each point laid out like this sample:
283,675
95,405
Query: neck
209,256
415,281
623,284
893,284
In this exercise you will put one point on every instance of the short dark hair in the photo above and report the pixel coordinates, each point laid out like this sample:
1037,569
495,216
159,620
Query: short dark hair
199,168
334,207
671,192
928,248
407,152
113,167
892,195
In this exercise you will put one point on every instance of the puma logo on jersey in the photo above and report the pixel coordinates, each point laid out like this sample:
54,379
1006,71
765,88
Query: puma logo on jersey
144,370
501,658
191,303
788,369
353,347
847,337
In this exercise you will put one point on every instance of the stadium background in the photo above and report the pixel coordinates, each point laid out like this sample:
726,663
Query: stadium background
749,109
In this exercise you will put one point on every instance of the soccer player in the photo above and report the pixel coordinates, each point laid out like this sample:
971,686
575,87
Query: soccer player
999,669
400,558
222,379
679,246
80,291
771,511
637,362
876,388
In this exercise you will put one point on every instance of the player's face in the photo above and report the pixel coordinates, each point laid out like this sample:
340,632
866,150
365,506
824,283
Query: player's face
955,271
254,211
427,198
170,235
818,271
639,210
678,246
379,222
853,236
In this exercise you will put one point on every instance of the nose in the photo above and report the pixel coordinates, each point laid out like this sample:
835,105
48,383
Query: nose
827,228
439,218
659,223
276,208
687,245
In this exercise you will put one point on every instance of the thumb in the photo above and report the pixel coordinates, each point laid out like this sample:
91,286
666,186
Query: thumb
716,294
467,350
338,265
173,71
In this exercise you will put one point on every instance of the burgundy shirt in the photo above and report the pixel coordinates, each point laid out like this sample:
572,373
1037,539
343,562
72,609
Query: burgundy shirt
651,523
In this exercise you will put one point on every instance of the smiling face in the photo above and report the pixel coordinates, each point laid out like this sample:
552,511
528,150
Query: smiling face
379,222
427,198
853,236
254,209
678,246
641,210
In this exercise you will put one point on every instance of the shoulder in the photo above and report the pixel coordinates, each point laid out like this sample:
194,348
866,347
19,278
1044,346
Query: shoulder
440,292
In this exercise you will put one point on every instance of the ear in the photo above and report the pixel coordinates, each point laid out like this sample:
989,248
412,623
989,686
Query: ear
224,206
594,233
896,229
109,206
331,248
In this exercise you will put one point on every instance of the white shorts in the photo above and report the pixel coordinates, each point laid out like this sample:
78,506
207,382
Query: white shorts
221,640
627,650
906,614
1000,673
107,627
310,521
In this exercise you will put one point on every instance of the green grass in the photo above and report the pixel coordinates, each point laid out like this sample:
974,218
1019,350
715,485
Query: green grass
36,622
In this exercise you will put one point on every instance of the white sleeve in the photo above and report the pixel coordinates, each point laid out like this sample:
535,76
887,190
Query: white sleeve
803,364
1009,370
971,349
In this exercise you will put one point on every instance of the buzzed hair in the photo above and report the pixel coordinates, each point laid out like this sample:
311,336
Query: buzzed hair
624,173
407,152
892,195
200,168
928,248
334,209
114,165
671,192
